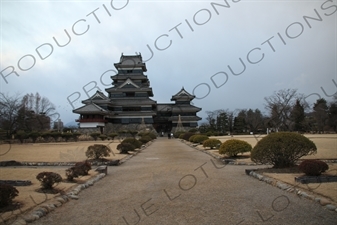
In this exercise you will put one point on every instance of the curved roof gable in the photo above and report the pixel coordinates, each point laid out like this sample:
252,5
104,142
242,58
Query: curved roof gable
128,82
182,95
91,108
97,97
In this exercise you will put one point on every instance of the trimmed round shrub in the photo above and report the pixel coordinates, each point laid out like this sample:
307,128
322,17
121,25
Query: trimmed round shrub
192,137
76,136
95,135
178,134
103,137
123,148
97,151
145,139
282,149
46,136
312,167
113,135
212,143
209,133
21,135
80,169
233,147
55,135
67,136
84,167
186,136
150,134
34,135
197,138
7,194
48,179
133,141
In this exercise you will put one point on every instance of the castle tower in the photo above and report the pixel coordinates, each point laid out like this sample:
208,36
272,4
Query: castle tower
128,102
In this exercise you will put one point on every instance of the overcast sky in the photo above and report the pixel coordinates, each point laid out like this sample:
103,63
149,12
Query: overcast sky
230,55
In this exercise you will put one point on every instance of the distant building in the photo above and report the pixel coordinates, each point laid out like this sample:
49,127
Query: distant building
128,102
58,125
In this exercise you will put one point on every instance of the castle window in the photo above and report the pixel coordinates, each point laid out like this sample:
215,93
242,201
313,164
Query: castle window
130,94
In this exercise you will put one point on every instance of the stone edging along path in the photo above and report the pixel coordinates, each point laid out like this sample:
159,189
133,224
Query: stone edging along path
49,206
289,188
271,181
44,208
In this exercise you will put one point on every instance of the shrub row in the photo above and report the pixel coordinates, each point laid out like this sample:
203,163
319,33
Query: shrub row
130,144
280,149
22,136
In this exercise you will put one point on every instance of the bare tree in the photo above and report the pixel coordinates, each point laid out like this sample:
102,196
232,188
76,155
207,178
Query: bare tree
211,118
37,111
9,110
280,105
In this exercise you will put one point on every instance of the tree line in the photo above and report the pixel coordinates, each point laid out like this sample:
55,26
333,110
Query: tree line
286,109
30,113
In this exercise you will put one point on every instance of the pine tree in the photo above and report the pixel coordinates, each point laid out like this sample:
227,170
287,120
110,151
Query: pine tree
297,116
320,114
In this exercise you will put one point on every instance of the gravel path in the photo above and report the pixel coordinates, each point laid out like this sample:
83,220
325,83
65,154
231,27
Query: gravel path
171,183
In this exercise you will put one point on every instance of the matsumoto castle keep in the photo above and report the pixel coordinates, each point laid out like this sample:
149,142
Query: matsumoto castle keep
128,103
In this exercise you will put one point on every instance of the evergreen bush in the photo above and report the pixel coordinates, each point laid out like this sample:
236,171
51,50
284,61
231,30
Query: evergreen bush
186,136
123,148
76,136
7,194
66,136
234,147
46,136
21,135
34,135
103,137
150,134
177,134
192,137
145,139
84,167
282,149
48,179
113,135
209,133
198,138
133,141
80,169
55,135
312,167
97,151
95,135
212,143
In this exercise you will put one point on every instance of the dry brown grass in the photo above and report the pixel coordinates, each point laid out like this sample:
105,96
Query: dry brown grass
28,196
328,190
44,152
53,152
